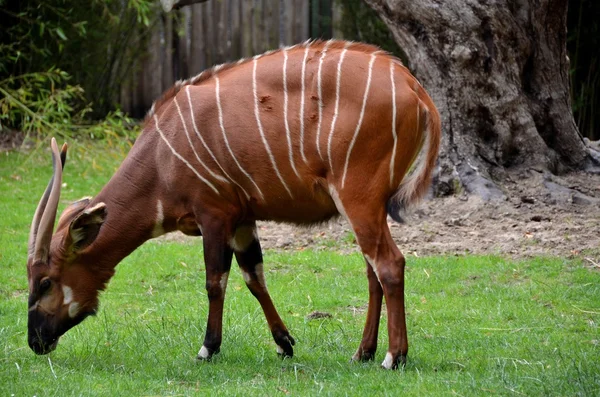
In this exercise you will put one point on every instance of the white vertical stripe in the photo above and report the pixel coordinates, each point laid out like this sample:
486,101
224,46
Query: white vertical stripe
323,53
187,134
394,135
187,90
285,113
260,129
220,109
302,105
337,106
162,135
360,119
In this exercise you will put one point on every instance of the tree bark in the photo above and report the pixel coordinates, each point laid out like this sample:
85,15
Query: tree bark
498,72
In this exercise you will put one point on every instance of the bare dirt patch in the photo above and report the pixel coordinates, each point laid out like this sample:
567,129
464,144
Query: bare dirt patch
541,215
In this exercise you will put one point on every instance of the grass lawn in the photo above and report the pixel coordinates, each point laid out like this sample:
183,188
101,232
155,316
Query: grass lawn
477,325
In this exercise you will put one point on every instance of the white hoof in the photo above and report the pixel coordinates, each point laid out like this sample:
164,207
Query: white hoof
279,350
203,353
388,362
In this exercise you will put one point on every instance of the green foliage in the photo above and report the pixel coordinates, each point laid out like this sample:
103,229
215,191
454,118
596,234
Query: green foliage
94,43
41,103
34,35
583,45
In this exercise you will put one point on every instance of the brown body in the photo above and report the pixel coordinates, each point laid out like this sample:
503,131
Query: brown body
296,135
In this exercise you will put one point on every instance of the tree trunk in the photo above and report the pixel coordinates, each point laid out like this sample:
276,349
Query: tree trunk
498,72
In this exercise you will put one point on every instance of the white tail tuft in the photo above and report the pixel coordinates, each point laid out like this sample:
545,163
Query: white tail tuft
415,184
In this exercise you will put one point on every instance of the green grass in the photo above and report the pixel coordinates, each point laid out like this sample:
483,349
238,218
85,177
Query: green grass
477,325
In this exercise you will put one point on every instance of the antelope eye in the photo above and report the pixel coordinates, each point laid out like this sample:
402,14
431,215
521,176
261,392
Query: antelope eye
45,285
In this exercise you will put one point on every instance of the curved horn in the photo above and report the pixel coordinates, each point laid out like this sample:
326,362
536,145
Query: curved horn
45,214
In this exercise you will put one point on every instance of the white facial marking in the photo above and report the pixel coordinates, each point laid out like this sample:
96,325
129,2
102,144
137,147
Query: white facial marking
388,361
262,134
203,353
360,118
222,125
337,106
288,134
73,309
68,294
68,300
160,217
180,157
279,349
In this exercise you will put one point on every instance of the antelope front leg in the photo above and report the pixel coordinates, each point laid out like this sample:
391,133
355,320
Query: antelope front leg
248,254
217,259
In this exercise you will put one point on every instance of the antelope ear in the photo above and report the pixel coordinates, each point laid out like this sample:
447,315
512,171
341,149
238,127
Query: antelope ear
84,229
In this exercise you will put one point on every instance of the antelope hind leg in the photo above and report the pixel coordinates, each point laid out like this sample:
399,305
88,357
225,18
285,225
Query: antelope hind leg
368,345
387,264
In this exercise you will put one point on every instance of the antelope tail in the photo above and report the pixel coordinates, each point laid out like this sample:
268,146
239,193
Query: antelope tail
415,184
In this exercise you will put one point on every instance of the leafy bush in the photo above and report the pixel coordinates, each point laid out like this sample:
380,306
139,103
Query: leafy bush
94,44
41,102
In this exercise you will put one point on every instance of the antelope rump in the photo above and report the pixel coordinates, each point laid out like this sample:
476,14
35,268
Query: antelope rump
300,135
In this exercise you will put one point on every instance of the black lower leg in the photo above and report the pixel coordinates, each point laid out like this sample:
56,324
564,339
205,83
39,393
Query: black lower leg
217,257
250,262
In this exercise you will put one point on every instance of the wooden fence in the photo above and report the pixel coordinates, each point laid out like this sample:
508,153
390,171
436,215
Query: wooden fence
185,42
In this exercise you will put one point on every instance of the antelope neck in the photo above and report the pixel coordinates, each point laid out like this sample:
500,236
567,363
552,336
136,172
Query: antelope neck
131,203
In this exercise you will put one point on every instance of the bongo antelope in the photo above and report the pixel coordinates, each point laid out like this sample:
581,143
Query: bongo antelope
301,135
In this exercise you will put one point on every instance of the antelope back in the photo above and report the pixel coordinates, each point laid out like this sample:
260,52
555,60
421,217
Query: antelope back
287,130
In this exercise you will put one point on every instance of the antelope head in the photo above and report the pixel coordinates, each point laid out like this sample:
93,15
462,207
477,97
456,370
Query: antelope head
63,288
